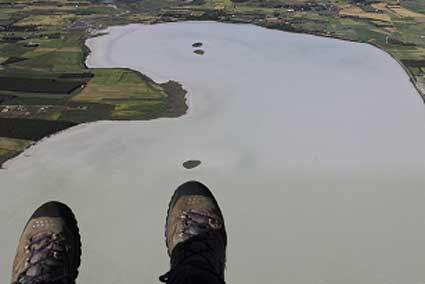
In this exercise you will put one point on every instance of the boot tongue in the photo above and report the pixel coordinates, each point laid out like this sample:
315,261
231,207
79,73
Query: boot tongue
197,223
197,229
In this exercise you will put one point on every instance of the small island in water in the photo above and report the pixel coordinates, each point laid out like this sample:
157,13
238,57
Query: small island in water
199,52
190,164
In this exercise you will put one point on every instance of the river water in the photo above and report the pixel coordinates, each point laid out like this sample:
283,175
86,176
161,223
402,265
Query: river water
314,147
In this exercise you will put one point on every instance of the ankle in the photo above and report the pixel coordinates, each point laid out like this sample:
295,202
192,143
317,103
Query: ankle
204,252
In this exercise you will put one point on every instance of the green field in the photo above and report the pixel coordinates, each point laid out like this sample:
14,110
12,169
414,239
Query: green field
132,95
9,147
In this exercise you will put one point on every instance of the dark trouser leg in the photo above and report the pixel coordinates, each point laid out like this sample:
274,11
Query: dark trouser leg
192,275
198,261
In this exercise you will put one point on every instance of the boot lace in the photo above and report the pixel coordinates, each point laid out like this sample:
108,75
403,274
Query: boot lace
46,261
196,223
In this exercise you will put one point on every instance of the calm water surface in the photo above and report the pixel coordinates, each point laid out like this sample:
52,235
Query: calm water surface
314,147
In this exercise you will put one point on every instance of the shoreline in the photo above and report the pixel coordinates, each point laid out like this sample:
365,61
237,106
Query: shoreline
302,32
412,78
177,104
278,28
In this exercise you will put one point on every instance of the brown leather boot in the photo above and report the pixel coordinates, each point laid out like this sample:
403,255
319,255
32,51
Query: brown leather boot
49,249
195,234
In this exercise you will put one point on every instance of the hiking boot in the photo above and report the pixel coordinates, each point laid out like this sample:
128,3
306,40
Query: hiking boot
195,235
49,249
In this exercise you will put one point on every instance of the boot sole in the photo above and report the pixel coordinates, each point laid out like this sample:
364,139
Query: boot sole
73,224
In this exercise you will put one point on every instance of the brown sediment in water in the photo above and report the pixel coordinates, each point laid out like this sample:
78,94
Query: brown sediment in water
176,101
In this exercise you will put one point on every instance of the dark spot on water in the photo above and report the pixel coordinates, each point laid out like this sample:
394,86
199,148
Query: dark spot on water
190,164
199,51
197,44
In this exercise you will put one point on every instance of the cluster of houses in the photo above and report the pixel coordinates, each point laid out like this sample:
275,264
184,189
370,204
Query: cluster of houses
27,110
14,110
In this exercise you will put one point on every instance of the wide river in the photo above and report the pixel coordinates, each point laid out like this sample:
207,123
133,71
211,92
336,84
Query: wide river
314,147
